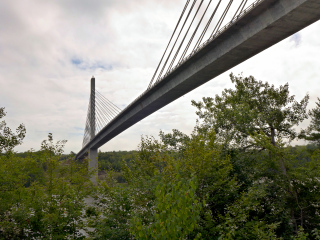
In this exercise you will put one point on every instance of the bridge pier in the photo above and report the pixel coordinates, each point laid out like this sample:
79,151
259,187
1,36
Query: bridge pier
93,164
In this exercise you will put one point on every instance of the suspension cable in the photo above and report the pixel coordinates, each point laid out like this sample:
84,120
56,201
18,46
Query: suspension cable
110,111
115,107
107,115
221,18
243,1
164,65
184,9
177,52
207,26
172,59
194,33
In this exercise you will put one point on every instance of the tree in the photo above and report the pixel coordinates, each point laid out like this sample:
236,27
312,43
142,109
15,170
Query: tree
170,185
252,123
8,139
312,133
42,196
253,107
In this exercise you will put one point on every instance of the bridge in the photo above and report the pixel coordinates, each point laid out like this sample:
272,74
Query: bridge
251,30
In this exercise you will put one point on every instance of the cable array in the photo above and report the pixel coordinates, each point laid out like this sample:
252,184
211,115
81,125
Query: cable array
193,24
87,129
197,21
104,112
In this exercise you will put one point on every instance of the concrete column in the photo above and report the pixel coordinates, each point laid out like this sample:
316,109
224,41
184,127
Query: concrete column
93,164
93,152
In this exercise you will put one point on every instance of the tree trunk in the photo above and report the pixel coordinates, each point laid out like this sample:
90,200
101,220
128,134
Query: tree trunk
273,142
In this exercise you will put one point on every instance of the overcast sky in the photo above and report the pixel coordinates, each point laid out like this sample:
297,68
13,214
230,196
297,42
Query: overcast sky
49,50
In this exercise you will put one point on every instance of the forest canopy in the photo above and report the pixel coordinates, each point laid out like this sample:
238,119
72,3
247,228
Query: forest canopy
235,177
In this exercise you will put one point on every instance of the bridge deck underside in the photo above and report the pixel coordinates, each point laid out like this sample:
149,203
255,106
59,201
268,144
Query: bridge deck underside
268,23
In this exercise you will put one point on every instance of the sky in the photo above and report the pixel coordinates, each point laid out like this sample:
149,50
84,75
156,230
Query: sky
49,50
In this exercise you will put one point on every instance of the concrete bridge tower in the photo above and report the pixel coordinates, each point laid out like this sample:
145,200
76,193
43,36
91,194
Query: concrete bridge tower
93,152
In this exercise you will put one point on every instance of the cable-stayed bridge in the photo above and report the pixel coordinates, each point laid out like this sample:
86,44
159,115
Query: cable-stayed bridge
210,38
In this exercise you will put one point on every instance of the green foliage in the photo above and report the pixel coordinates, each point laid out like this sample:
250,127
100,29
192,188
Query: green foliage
313,131
242,220
176,211
251,123
165,193
42,197
112,212
316,233
253,107
8,140
234,177
113,160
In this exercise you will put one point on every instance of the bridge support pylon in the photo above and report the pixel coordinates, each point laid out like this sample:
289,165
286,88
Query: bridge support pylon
93,152
93,164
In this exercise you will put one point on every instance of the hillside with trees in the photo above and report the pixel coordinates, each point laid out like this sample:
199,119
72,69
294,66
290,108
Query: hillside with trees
235,177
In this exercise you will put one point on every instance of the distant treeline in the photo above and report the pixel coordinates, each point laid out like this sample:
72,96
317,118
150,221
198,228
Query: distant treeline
107,160
113,160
